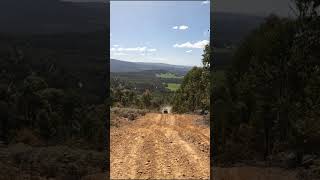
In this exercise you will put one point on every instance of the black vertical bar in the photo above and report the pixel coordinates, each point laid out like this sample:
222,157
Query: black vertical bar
107,122
212,143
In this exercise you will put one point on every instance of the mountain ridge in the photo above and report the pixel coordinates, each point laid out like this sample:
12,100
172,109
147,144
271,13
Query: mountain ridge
126,66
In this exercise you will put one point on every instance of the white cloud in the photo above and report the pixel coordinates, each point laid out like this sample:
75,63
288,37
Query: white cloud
189,51
115,45
182,27
135,49
196,45
205,2
152,50
119,54
141,49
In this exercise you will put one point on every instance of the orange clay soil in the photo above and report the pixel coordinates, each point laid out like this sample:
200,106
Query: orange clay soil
161,146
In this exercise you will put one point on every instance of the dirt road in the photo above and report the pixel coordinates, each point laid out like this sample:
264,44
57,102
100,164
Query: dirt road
161,146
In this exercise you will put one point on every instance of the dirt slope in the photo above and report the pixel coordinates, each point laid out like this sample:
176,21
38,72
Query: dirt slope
161,146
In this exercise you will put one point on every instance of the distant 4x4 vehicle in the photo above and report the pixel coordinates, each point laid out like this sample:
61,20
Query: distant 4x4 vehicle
201,112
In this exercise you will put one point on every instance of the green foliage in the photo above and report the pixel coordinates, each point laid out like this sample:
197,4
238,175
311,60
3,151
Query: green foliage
130,90
146,98
40,102
173,86
192,94
168,75
34,83
207,56
140,81
267,102
194,91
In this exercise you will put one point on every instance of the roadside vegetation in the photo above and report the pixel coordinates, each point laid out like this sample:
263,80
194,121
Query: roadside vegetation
194,91
120,116
266,106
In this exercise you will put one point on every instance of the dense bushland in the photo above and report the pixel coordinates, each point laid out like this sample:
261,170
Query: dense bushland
193,94
267,106
43,102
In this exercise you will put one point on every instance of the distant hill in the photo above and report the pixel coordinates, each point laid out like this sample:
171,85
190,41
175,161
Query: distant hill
125,66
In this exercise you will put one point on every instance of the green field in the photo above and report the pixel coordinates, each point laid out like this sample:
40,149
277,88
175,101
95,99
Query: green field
173,86
168,75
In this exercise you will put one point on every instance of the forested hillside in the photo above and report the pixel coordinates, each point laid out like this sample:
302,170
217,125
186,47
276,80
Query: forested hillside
193,94
125,66
266,107
45,97
51,98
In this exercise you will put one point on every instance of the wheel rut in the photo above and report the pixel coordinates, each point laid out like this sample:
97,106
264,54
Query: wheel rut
160,146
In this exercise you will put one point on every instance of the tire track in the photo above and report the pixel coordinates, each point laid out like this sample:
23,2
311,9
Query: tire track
123,157
160,146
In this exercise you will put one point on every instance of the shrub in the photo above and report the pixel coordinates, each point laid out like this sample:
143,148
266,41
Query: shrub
27,136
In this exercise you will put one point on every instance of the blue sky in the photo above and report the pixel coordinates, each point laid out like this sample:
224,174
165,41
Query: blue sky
172,32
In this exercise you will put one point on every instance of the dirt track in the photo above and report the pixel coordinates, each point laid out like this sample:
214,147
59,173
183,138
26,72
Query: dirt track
161,146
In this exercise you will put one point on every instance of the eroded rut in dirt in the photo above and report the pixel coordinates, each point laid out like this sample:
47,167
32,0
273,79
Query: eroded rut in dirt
161,146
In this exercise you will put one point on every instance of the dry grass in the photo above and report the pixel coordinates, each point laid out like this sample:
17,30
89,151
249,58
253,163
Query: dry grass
118,115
